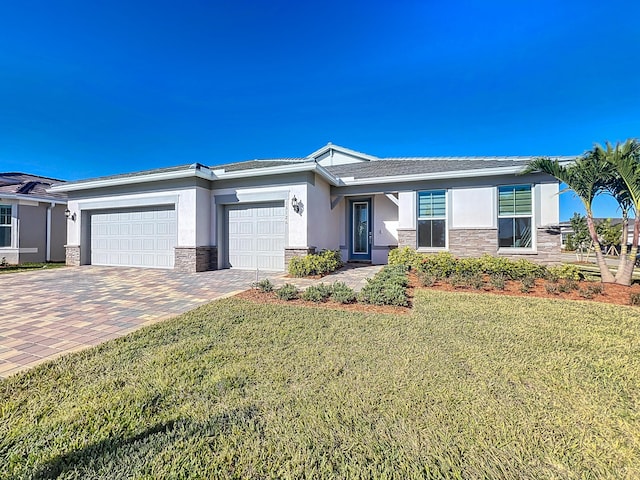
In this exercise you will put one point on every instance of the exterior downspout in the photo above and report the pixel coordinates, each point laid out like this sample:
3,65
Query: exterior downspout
49,208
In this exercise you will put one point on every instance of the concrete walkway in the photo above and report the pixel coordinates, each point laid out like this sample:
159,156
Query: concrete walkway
48,313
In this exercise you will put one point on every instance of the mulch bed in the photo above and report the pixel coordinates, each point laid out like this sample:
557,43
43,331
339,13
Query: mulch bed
257,296
613,294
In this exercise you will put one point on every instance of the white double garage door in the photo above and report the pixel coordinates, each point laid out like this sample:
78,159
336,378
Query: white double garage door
134,237
147,237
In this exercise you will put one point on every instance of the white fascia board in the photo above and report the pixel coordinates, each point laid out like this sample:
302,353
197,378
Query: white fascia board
279,170
31,198
152,177
485,172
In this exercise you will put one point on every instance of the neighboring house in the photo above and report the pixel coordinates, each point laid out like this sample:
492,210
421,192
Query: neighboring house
258,214
33,226
566,229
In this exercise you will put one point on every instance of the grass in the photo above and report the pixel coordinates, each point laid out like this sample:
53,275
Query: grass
592,270
26,267
467,386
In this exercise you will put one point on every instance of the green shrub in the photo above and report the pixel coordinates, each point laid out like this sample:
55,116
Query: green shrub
524,268
565,271
458,280
444,264
585,293
468,266
379,293
495,265
527,283
300,266
317,293
287,292
440,265
567,285
406,256
393,274
551,288
426,279
634,299
498,280
315,264
387,287
524,288
595,287
265,286
342,293
476,280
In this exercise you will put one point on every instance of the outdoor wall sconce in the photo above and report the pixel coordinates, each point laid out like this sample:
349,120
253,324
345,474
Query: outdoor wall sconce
296,204
69,215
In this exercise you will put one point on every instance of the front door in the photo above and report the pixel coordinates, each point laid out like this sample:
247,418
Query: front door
360,230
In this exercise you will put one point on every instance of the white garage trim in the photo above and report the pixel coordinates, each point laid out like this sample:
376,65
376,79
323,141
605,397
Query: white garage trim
134,237
255,235
153,201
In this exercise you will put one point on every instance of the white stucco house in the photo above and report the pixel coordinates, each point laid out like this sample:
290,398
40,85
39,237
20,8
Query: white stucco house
258,214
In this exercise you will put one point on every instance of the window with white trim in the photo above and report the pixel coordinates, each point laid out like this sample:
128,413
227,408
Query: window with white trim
5,225
432,220
515,216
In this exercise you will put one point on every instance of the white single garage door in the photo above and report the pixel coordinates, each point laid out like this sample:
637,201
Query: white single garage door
256,235
140,237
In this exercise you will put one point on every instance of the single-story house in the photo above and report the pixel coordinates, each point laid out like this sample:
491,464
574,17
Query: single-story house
33,226
257,214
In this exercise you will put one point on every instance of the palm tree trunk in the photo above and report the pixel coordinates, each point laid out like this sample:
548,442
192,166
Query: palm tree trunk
622,265
627,276
605,274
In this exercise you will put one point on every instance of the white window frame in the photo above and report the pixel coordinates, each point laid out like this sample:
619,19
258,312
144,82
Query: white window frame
9,225
433,217
531,216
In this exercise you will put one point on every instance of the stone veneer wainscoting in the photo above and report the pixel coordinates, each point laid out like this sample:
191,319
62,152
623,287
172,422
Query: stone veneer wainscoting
475,242
196,259
407,238
72,255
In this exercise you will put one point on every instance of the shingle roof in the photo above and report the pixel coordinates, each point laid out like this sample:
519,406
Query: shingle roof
15,183
370,167
251,164
132,174
388,167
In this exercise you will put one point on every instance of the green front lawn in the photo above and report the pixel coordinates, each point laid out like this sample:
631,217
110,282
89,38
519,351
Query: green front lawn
26,267
467,386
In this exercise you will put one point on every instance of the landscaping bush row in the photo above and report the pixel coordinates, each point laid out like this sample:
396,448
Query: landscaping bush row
387,287
338,292
320,263
444,265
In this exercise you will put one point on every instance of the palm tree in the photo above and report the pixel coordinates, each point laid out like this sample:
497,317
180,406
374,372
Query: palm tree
587,177
625,188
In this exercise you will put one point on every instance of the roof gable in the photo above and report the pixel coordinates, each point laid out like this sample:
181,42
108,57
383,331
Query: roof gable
331,155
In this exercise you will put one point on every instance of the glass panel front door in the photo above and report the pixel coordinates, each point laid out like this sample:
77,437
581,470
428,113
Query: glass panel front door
361,230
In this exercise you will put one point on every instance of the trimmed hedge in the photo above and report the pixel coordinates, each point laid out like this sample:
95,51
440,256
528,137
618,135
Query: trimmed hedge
320,263
443,265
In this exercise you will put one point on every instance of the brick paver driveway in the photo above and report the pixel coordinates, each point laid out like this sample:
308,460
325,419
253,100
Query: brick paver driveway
51,312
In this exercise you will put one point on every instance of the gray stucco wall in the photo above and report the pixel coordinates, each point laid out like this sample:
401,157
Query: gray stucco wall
33,232
58,233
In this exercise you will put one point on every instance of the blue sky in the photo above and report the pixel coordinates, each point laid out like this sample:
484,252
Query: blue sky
97,88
